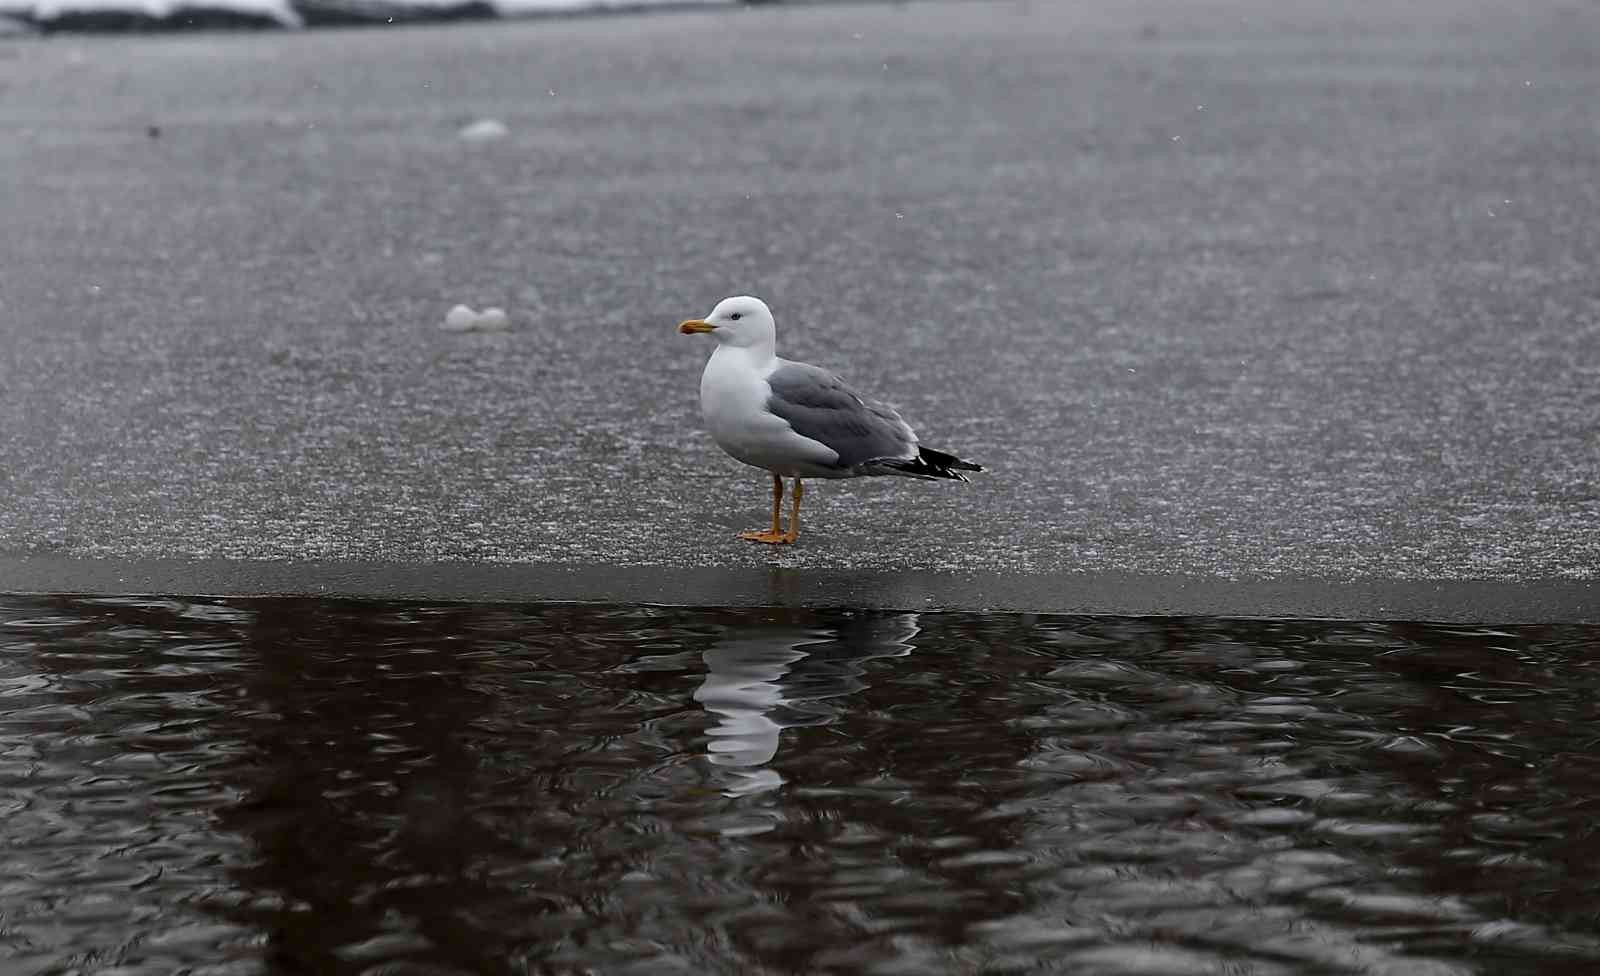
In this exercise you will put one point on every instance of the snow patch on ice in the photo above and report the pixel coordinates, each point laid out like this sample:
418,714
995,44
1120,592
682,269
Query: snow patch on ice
462,318
484,130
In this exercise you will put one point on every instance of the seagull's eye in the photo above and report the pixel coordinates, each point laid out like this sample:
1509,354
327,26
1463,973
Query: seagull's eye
735,316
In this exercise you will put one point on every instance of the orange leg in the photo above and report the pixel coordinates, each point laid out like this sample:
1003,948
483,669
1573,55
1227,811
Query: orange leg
794,513
776,534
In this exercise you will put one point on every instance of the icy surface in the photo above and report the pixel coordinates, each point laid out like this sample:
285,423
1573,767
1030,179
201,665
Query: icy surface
1275,292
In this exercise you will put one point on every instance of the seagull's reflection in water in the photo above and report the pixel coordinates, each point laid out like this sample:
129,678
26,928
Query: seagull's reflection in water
758,684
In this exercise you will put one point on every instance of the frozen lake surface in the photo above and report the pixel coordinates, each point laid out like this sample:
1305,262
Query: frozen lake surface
1240,291
292,786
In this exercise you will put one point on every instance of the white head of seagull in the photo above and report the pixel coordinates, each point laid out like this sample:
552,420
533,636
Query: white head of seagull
741,321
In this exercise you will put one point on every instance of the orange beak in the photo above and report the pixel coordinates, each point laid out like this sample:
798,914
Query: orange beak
691,326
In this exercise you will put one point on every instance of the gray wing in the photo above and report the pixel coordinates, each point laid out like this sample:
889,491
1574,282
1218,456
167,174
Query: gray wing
818,405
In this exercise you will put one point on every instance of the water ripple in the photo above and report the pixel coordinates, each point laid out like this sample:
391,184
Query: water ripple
336,787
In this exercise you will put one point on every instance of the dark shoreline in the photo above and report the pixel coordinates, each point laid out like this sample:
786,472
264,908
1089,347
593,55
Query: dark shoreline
1452,601
201,16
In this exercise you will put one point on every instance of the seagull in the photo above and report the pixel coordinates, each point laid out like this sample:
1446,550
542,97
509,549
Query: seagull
797,420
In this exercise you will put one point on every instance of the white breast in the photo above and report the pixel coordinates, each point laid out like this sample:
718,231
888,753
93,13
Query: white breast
733,401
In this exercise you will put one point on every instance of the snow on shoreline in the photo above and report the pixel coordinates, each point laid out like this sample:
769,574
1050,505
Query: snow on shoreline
18,16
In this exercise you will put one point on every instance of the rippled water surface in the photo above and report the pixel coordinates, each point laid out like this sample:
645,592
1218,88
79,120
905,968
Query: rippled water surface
280,786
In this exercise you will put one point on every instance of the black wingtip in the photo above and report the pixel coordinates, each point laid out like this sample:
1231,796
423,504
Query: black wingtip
935,464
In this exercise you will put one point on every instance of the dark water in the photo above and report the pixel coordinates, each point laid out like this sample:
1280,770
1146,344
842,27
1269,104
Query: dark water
279,786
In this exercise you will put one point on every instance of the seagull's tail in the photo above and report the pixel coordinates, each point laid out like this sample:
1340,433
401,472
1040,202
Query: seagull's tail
933,464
